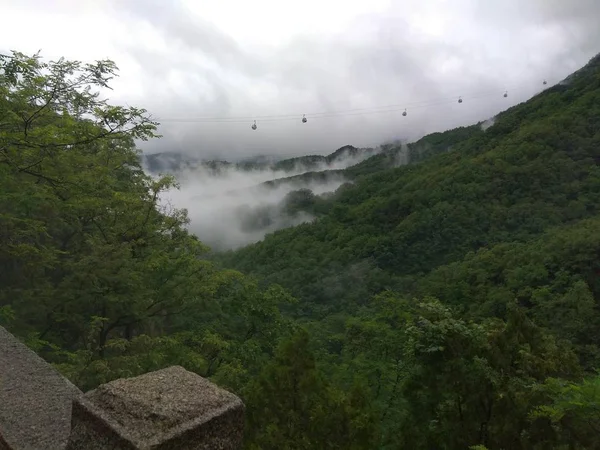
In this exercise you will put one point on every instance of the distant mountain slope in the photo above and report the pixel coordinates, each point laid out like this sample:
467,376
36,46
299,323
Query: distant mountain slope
166,162
174,162
306,178
535,168
399,153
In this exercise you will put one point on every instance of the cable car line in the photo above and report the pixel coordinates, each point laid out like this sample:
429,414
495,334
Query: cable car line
392,108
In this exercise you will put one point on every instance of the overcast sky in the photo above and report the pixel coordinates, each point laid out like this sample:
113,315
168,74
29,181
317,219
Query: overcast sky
186,59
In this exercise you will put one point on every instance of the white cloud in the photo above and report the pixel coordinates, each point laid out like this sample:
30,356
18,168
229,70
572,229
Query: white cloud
185,59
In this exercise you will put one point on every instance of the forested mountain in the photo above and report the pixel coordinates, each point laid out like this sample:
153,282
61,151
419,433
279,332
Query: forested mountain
462,288
448,303
534,169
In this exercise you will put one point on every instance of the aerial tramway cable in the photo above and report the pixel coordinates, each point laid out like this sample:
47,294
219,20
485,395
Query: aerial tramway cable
392,108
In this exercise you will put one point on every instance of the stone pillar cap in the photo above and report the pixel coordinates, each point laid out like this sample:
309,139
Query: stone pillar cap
157,407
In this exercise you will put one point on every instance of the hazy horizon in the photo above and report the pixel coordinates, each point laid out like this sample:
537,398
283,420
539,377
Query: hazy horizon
207,70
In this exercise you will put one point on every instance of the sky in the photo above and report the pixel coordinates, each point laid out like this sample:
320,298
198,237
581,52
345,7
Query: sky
207,69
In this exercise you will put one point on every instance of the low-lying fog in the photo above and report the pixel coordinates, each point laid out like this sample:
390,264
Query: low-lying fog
231,207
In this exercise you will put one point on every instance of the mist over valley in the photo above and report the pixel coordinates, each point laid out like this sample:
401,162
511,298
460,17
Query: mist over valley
231,204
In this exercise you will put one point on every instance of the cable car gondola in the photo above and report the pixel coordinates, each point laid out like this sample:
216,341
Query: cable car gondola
254,127
404,113
304,120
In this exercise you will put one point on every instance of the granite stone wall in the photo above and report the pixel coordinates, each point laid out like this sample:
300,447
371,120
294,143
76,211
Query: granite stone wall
167,409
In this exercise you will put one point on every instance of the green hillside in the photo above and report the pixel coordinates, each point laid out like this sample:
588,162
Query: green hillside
534,169
458,286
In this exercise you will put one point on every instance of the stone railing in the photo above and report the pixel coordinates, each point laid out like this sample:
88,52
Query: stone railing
167,409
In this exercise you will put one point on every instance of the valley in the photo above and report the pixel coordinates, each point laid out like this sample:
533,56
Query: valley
436,294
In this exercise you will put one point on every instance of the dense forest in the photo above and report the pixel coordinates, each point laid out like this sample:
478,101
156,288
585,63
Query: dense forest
459,291
449,303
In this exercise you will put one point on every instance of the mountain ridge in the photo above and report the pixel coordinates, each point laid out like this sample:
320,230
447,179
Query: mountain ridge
512,129
463,287
175,162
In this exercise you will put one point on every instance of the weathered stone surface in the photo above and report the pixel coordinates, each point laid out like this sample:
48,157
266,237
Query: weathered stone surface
167,409
3,443
35,400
